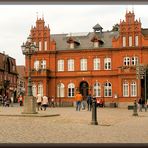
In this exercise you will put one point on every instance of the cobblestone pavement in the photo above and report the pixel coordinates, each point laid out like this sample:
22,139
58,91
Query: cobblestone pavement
116,125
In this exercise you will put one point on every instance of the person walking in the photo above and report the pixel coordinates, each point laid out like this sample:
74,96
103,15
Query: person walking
145,106
140,104
78,99
11,100
44,102
20,100
89,102
52,101
39,101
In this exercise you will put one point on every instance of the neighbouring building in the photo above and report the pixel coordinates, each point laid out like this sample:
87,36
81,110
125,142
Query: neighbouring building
8,76
21,80
100,62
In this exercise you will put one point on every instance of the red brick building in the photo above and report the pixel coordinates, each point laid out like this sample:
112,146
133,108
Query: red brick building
8,76
100,62
21,79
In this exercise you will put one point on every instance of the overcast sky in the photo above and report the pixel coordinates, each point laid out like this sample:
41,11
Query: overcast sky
16,21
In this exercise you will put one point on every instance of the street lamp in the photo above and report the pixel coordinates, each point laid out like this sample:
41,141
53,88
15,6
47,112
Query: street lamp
141,74
28,49
59,94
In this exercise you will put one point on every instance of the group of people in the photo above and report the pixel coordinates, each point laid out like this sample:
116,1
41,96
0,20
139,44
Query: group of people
80,102
142,104
6,100
44,102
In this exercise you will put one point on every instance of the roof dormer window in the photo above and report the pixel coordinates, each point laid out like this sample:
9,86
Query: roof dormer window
96,41
73,43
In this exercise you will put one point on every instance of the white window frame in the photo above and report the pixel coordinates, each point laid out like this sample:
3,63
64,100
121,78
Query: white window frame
125,89
43,64
34,90
126,61
108,89
96,44
83,64
97,90
107,64
70,64
71,45
36,65
124,41
60,90
40,89
61,65
45,45
133,89
130,41
96,63
135,61
40,45
71,90
136,40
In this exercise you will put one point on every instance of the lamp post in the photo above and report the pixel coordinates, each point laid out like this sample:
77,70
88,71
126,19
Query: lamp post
145,86
141,74
28,49
59,94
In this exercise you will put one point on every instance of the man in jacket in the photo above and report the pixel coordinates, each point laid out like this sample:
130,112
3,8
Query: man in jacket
78,99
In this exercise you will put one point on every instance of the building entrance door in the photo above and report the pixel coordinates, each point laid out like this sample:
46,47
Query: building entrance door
84,89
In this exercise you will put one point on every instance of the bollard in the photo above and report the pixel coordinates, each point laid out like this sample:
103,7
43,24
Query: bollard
94,112
135,109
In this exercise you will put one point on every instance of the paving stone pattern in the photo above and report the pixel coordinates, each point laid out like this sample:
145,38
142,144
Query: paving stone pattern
116,125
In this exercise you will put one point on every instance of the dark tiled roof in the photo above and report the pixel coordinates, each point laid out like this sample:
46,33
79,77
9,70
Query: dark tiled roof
97,26
2,56
144,31
84,40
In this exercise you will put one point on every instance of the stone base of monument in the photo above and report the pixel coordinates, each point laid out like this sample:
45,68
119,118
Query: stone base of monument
29,105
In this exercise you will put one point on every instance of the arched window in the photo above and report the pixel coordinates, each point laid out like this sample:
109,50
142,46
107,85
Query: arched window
60,90
40,89
125,89
34,90
96,63
126,61
71,88
97,89
133,89
107,89
36,65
